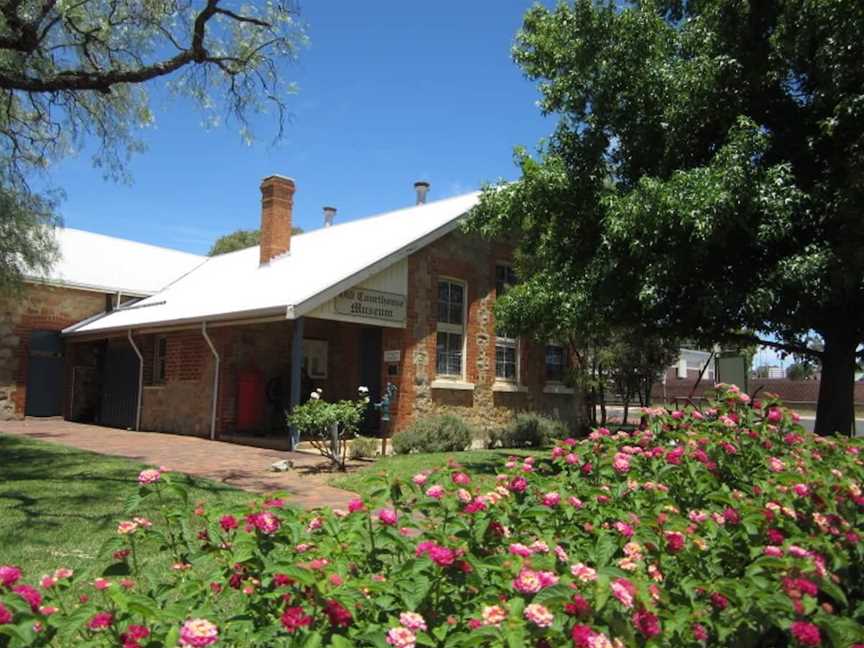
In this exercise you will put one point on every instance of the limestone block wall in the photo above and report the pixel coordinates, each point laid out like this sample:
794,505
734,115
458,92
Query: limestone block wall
471,260
37,307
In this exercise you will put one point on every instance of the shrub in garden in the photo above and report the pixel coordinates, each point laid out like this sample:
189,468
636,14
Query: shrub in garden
444,433
729,526
327,425
528,430
364,447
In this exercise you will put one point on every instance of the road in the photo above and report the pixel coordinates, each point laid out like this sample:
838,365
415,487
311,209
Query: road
807,421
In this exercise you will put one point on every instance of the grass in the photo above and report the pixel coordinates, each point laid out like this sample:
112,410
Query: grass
482,465
59,504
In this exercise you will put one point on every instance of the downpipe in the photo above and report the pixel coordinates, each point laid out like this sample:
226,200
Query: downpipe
218,362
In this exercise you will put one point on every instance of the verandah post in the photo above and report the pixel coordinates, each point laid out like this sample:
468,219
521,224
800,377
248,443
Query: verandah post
296,367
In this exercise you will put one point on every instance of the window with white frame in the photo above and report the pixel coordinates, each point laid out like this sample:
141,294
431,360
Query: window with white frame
506,346
160,353
450,342
556,363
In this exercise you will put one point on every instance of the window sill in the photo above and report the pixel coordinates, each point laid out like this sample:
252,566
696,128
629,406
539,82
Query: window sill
458,385
509,387
553,388
159,386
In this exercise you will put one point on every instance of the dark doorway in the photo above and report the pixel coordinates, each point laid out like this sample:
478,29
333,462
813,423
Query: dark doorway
45,374
370,376
120,388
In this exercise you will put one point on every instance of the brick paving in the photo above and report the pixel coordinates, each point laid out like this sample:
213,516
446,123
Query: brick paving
239,466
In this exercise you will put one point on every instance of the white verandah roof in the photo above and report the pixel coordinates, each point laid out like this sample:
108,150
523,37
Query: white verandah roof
321,264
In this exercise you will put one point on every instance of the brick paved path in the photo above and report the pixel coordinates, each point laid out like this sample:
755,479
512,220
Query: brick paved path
239,466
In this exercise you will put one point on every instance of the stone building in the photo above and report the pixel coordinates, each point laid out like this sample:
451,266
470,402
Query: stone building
404,298
92,275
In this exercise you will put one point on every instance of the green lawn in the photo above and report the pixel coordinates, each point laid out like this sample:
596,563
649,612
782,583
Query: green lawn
58,505
482,465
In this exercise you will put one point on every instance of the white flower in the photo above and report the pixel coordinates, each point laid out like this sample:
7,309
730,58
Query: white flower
315,395
363,390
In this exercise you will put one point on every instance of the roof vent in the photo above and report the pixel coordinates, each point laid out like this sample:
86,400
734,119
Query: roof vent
421,187
329,215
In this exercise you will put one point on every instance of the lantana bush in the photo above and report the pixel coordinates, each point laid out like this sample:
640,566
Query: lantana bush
729,525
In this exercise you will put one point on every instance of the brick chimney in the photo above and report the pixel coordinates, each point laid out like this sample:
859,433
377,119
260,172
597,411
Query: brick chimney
277,203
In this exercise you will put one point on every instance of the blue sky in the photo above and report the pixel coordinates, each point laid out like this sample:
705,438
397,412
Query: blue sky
389,93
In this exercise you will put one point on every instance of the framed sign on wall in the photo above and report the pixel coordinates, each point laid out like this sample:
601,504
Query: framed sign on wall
315,358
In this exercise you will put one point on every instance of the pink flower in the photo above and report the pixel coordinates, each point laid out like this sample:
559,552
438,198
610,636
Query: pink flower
127,527
100,621
774,552
9,575
337,613
583,572
355,505
572,458
265,522
551,499
624,591
774,415
621,462
801,490
805,633
420,478
674,456
435,491
47,582
519,549
30,594
198,633
624,529
699,632
527,582
5,615
294,618
63,572
494,615
674,541
776,465
228,522
460,478
149,476
101,584
575,502
539,615
387,517
646,623
400,637
719,601
412,621
518,485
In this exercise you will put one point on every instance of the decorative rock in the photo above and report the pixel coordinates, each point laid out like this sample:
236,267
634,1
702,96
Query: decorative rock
282,466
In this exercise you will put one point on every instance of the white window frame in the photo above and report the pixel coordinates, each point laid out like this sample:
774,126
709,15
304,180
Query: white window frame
504,341
455,329
159,373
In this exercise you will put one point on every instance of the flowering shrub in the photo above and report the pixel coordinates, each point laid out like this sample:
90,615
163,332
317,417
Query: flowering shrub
728,526
328,425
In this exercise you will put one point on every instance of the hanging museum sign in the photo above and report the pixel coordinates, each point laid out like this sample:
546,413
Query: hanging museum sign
371,305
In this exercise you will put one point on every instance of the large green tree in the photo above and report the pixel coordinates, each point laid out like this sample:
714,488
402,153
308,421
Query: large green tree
75,74
706,176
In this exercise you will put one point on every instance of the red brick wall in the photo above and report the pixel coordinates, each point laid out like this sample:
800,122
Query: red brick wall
38,307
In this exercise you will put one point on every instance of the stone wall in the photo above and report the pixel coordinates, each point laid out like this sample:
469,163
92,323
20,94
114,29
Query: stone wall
487,405
37,307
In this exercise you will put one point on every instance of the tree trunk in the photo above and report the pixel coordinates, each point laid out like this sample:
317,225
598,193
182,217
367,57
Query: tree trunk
835,409
626,411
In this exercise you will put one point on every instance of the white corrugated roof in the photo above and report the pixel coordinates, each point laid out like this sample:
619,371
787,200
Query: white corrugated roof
97,262
321,264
